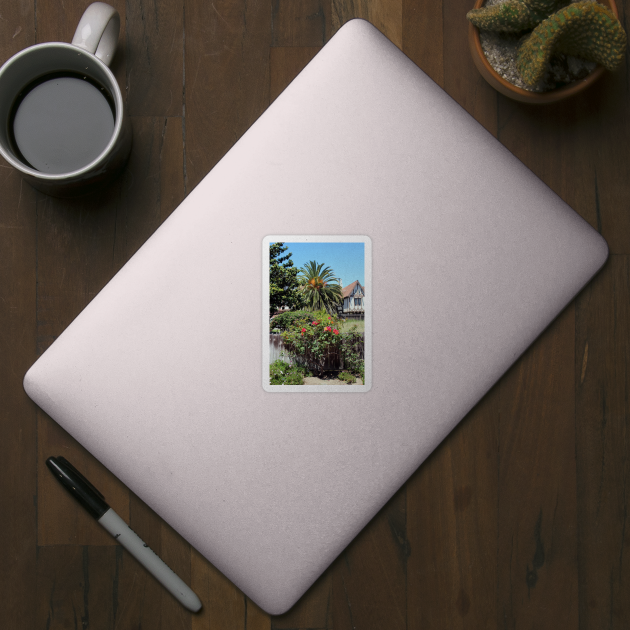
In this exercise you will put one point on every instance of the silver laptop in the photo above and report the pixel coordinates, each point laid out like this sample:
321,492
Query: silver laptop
467,257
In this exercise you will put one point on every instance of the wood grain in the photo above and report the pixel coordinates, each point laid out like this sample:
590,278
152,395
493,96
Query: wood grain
300,23
76,587
369,577
518,520
609,133
154,57
146,602
224,606
151,187
537,510
226,78
60,520
57,22
18,416
285,64
313,610
452,515
574,149
386,15
461,79
422,36
602,380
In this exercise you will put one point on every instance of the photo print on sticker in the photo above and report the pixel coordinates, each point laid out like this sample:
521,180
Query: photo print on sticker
317,313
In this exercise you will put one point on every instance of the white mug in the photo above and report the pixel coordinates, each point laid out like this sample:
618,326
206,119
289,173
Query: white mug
62,114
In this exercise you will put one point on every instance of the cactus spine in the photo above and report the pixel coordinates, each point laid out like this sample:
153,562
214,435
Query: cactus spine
583,29
513,16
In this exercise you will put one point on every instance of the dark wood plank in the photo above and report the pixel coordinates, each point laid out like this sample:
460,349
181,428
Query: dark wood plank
422,36
154,57
18,421
313,610
300,23
255,618
461,78
60,519
76,587
452,527
558,147
142,600
18,415
576,148
369,577
608,126
224,606
386,15
226,78
171,159
74,248
285,64
537,537
603,443
57,23
152,185
17,28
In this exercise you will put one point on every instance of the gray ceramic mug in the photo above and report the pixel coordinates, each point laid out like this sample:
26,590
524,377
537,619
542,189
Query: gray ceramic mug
90,140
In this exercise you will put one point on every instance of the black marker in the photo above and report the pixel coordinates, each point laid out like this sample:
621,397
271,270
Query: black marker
94,502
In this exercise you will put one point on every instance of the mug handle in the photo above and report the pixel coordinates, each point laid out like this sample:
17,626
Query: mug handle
98,30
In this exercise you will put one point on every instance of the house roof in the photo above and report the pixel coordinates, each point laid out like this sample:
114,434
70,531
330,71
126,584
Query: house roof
350,288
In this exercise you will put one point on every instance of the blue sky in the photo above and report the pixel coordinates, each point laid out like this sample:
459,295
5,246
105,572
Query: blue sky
347,260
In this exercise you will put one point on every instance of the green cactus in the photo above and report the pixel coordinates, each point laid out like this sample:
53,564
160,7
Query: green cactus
583,29
513,16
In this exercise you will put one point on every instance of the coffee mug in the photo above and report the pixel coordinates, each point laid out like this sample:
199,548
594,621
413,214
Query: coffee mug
62,114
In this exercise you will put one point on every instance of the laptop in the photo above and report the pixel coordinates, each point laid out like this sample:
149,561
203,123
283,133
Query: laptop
462,257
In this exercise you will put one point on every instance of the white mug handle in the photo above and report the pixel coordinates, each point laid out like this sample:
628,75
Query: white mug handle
98,31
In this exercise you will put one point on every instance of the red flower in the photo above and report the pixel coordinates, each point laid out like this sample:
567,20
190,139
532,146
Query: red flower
314,323
303,331
336,331
327,328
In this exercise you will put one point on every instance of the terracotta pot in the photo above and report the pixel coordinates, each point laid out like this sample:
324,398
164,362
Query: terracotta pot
518,94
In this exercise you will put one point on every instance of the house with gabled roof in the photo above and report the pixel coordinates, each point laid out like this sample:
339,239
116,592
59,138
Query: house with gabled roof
353,304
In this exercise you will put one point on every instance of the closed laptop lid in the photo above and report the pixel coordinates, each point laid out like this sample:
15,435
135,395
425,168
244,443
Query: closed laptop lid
469,257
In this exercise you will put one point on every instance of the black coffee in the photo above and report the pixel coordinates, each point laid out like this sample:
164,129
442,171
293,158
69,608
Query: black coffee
61,123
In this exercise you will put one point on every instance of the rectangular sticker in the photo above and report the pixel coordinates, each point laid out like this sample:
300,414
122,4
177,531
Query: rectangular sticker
317,313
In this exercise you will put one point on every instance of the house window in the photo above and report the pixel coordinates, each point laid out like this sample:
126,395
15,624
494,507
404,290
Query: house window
357,301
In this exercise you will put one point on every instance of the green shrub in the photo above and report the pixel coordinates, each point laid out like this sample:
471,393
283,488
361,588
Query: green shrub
284,321
347,378
352,361
311,340
281,373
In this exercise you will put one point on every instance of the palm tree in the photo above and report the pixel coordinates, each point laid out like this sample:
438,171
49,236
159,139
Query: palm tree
319,286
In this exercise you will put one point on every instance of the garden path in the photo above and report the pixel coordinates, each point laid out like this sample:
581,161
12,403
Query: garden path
314,380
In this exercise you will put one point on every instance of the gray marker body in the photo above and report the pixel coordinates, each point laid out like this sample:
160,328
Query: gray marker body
149,559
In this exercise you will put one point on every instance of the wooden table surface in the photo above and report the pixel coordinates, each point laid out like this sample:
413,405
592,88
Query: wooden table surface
518,520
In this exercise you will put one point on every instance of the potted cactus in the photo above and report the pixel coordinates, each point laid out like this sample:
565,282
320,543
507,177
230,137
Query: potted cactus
558,49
